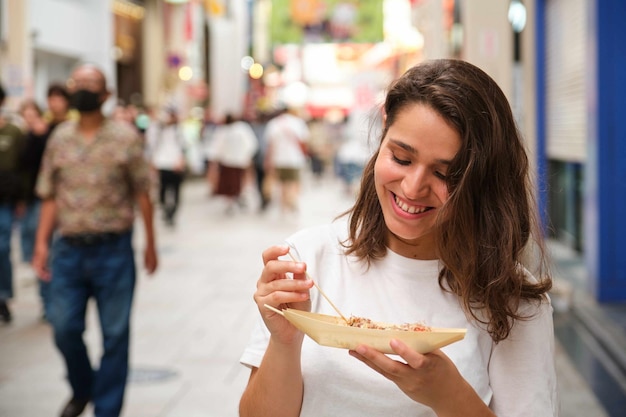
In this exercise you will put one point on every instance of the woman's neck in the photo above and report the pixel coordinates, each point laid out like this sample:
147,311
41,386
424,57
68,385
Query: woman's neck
423,248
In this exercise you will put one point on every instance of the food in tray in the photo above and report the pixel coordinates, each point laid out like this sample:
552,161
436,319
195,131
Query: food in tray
365,323
336,332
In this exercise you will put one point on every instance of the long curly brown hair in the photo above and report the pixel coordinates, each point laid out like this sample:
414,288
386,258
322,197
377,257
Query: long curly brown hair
490,216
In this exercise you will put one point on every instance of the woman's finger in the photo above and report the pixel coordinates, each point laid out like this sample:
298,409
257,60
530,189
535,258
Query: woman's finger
283,285
278,270
274,252
368,362
375,358
414,359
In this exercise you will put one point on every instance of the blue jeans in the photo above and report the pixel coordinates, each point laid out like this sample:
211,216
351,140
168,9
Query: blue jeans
28,232
106,272
6,269
28,229
350,171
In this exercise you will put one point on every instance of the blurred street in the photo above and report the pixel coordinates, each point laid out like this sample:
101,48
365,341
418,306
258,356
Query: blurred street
192,318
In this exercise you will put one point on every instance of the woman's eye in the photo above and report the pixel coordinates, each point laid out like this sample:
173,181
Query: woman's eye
440,175
400,161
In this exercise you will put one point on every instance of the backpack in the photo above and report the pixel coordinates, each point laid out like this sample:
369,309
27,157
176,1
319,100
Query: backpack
11,144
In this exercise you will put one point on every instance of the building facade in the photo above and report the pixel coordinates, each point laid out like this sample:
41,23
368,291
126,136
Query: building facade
581,102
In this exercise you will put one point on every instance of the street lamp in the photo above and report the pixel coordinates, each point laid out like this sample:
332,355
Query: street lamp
517,18
517,15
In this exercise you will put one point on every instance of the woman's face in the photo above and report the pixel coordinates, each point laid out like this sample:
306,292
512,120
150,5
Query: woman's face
410,173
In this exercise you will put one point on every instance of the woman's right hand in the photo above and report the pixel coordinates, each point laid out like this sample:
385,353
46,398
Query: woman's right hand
277,289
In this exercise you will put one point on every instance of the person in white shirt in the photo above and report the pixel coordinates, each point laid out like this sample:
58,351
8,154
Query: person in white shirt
287,138
233,147
166,152
438,234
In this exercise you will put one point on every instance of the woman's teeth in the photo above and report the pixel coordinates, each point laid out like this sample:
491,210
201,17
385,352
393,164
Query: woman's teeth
409,209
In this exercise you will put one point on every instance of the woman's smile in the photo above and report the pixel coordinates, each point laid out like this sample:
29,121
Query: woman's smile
408,208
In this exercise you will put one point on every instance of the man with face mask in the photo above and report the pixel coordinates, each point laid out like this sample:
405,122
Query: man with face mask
92,173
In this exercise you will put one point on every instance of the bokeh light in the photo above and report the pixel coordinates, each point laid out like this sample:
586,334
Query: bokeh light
247,62
185,73
256,71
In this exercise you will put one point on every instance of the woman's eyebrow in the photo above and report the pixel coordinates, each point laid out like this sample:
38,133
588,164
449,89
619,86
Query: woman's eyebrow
403,145
412,150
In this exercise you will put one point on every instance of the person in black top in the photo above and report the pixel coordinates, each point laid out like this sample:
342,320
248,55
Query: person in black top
11,195
37,133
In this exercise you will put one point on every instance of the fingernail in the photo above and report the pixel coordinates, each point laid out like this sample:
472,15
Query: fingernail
361,350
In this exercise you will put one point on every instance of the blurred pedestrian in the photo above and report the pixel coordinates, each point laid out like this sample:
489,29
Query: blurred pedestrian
12,142
143,120
58,101
120,113
209,125
353,153
37,133
93,171
166,150
258,126
234,146
287,135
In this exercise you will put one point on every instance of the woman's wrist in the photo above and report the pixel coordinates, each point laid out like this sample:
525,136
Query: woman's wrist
466,402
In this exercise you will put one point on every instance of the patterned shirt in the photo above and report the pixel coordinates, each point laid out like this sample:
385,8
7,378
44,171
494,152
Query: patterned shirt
93,183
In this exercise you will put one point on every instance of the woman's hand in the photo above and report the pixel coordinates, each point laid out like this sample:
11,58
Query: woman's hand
431,379
275,288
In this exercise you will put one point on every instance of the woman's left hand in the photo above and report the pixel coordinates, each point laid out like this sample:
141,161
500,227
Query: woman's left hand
431,379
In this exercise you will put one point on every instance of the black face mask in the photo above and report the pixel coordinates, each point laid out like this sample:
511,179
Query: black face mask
85,100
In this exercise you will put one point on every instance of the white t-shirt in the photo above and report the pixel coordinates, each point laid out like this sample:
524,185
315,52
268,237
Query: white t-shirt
282,135
165,146
515,377
234,145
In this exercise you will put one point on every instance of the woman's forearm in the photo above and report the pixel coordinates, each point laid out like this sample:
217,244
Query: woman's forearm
275,389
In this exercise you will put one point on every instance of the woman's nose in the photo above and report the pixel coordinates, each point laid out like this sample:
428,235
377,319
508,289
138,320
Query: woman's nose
415,184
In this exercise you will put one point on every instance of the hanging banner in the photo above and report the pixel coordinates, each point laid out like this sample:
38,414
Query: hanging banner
298,21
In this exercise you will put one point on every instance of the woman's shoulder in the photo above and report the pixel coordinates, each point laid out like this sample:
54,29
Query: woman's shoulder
328,234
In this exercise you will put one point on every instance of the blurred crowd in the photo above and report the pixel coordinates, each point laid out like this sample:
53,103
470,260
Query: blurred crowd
265,154
73,178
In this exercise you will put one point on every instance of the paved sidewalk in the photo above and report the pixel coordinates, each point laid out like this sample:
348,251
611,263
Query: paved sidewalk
191,320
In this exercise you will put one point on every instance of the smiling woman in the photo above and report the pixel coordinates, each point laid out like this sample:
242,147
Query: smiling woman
436,234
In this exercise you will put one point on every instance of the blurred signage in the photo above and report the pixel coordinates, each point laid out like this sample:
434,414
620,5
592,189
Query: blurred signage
13,79
297,21
128,9
174,60
215,8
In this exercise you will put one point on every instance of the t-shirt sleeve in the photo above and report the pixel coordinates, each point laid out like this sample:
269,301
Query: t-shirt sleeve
522,368
255,350
44,186
138,166
305,134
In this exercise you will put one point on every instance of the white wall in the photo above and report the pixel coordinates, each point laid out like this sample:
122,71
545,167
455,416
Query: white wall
69,31
15,68
488,39
228,46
